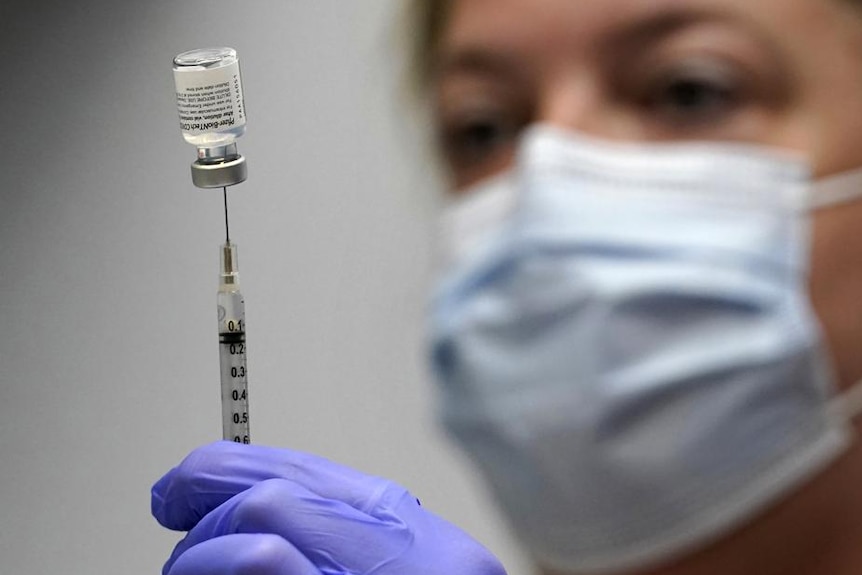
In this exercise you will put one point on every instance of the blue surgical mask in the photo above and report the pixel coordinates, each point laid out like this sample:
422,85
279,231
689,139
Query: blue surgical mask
625,344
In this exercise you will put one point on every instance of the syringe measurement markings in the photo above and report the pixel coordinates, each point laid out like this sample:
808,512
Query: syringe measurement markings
233,346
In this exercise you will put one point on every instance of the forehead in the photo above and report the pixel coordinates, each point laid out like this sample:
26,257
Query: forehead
581,23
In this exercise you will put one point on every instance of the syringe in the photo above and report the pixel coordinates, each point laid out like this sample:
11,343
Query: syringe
212,116
232,345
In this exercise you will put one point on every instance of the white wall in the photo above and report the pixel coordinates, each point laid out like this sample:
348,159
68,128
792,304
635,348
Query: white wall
108,263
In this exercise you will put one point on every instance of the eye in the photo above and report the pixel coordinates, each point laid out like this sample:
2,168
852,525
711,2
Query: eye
472,141
689,95
694,95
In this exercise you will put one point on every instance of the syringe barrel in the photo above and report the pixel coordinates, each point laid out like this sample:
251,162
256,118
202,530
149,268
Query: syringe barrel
233,349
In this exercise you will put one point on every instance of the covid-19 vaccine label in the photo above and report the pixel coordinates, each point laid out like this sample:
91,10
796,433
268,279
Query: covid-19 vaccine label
209,100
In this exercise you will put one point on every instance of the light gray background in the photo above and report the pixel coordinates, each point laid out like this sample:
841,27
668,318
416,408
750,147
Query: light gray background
108,263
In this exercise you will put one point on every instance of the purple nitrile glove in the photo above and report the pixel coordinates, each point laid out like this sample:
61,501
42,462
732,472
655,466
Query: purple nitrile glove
264,511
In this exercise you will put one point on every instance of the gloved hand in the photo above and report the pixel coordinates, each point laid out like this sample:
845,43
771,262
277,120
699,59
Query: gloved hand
263,511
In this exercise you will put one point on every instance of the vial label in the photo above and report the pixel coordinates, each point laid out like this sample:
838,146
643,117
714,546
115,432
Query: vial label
210,100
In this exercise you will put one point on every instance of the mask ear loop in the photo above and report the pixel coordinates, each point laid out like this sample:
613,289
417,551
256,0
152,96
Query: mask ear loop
847,405
836,190
829,192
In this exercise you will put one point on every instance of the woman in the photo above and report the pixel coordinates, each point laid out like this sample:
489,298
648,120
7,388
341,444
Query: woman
646,333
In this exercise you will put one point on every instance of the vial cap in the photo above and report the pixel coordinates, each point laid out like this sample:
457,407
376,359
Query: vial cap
206,58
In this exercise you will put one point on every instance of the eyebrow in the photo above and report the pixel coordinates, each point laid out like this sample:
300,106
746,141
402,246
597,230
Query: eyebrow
474,59
633,37
671,19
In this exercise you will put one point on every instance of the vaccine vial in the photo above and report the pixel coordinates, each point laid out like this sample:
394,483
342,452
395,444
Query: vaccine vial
212,113
209,96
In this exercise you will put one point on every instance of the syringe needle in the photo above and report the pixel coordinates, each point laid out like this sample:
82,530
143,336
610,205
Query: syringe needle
226,225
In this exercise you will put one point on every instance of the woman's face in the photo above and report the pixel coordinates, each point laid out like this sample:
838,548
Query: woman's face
784,73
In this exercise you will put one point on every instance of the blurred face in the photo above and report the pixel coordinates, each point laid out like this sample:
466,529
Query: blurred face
779,72
782,73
